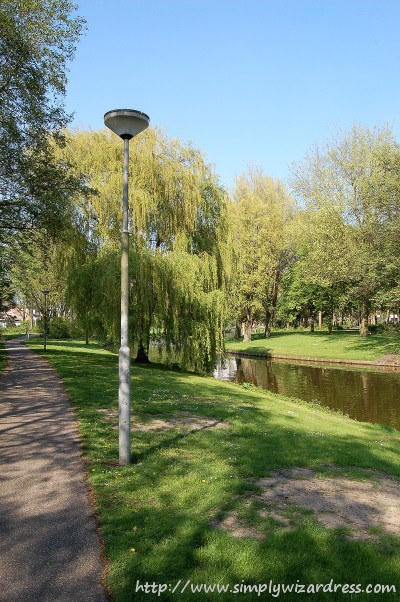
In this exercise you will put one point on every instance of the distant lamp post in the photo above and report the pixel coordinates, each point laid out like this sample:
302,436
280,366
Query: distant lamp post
45,319
126,123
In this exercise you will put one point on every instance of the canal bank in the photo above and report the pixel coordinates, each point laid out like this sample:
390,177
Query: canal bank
388,361
367,394
346,347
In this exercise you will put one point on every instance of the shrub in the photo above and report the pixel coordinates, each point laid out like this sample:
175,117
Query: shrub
62,328
385,328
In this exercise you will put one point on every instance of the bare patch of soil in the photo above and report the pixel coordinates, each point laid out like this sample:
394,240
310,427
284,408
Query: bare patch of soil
185,422
390,359
231,524
364,507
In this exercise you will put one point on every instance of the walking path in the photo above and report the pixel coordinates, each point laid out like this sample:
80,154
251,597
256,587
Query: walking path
49,549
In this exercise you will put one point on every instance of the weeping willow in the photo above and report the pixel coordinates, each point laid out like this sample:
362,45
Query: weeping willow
179,251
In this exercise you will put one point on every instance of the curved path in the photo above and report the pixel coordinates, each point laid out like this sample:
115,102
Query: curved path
49,549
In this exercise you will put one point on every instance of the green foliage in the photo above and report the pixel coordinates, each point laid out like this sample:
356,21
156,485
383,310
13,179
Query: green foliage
385,328
14,331
41,266
262,215
351,227
63,328
179,256
37,40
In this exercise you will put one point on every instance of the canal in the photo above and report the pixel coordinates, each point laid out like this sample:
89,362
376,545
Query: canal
365,395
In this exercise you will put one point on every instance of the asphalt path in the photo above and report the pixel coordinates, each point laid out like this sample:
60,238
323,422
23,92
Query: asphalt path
49,548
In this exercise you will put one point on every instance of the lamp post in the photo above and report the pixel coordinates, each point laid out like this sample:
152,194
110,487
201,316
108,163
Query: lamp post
126,123
45,318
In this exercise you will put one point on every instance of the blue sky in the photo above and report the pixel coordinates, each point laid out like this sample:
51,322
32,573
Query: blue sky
247,81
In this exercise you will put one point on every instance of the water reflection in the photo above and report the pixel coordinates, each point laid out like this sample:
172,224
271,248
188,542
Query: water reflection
364,395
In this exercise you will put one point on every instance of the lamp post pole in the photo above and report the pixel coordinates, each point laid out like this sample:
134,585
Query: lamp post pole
126,123
45,319
124,392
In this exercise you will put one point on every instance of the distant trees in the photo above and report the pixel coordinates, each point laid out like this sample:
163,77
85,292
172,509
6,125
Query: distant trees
350,189
263,213
336,252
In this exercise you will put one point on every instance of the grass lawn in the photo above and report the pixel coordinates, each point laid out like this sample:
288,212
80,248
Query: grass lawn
3,357
346,345
155,515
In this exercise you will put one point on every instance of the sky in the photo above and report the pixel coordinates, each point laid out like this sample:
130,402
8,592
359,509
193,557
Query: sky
246,81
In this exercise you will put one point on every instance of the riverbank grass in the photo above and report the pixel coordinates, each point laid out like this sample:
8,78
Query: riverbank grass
199,449
346,345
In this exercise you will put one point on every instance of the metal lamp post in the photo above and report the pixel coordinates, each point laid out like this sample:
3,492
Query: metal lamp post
45,318
126,123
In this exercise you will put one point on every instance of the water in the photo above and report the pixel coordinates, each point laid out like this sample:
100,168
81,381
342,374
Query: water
365,395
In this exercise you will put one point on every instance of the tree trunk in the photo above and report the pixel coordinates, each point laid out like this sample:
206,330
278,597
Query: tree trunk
364,318
238,329
87,336
330,321
247,332
270,312
142,356
312,325
320,320
267,329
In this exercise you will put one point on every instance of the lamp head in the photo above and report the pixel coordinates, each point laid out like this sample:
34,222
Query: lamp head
45,292
126,123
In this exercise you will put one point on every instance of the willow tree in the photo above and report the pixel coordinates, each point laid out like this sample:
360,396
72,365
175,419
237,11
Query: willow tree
351,188
263,213
179,224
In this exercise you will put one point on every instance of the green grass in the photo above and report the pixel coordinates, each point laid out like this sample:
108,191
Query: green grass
162,504
339,345
12,332
3,357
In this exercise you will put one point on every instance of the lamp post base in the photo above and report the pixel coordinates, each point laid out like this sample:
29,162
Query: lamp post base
124,403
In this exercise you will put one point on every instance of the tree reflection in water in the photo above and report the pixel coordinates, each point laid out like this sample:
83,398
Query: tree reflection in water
365,395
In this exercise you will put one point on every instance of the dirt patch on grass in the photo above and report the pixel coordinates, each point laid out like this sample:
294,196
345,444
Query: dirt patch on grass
364,508
185,422
390,359
233,525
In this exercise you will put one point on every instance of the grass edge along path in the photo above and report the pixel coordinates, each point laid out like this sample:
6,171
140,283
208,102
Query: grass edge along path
3,357
339,347
156,515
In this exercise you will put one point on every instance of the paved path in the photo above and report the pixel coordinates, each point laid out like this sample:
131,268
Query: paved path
49,549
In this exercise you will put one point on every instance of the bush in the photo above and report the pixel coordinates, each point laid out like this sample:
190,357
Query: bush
62,328
386,328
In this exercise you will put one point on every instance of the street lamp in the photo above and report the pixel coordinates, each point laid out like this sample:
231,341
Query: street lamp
45,318
126,123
